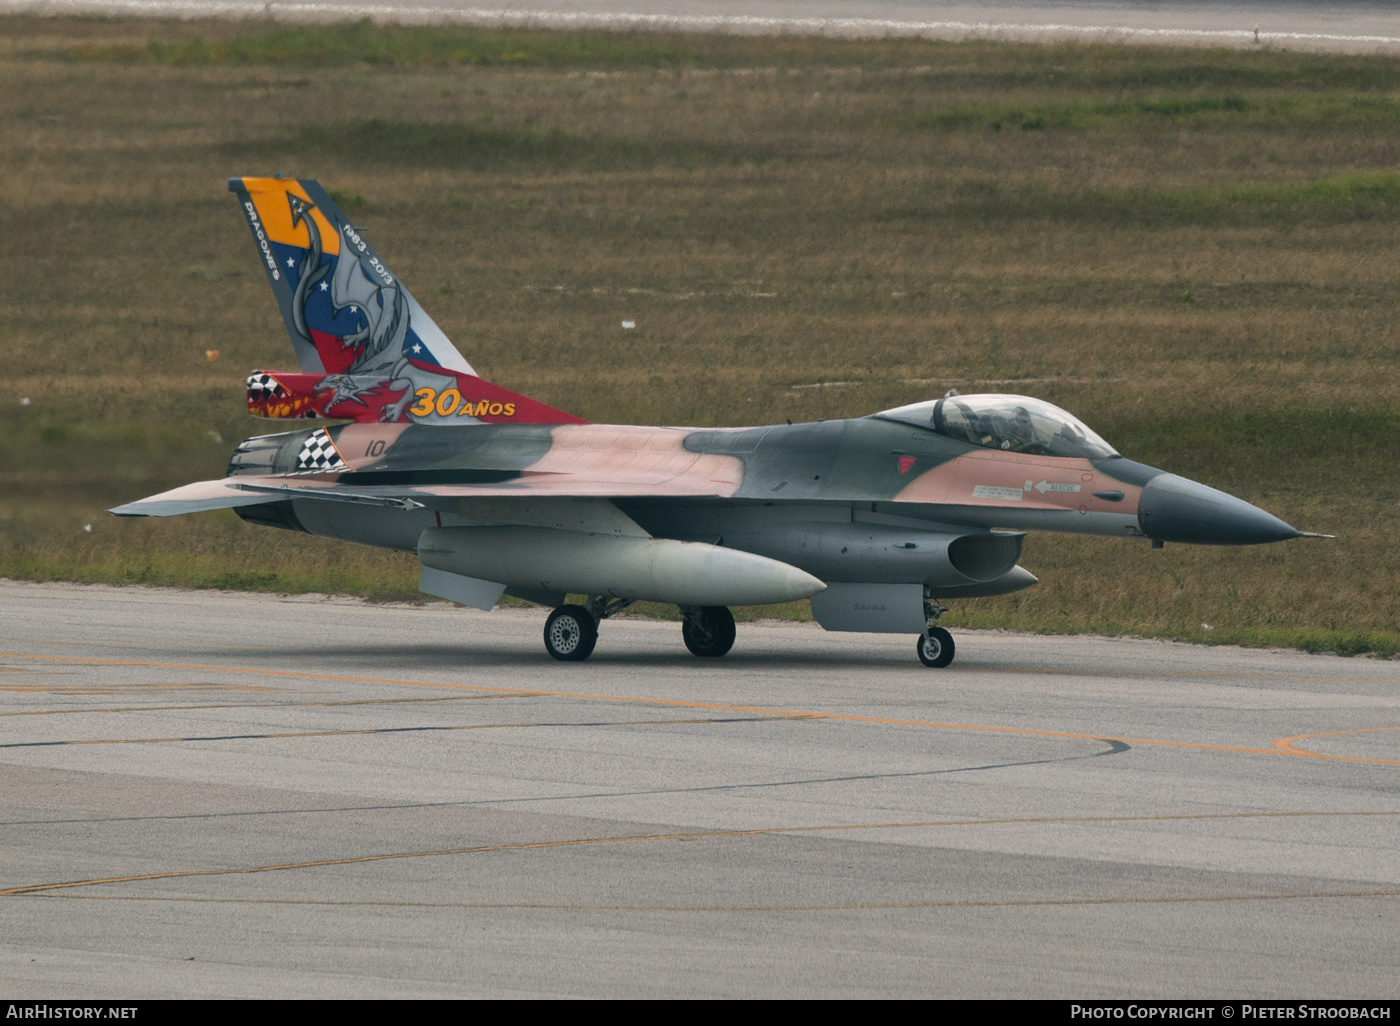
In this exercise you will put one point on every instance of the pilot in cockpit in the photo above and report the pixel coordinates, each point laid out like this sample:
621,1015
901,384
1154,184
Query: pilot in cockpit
1021,433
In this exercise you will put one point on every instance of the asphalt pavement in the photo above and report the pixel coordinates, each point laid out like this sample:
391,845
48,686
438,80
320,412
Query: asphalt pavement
217,794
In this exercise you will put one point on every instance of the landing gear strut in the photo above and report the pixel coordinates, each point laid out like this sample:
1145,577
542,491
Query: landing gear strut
707,630
935,645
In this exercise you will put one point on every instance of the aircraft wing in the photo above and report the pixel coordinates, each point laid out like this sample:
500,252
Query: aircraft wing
247,490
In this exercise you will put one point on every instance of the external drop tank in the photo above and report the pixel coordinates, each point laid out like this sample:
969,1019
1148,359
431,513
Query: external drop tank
638,568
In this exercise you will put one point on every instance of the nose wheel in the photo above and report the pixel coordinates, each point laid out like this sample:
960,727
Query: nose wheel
707,630
936,647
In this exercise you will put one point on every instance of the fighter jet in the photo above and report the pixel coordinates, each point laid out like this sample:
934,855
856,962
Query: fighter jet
879,520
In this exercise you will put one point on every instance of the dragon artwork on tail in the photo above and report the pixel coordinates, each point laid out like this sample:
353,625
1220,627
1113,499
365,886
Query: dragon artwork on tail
361,285
368,352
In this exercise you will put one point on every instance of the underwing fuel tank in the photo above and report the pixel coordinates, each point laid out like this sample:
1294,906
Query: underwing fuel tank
648,569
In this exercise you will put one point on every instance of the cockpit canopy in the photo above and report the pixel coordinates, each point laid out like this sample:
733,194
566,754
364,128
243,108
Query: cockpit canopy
1015,423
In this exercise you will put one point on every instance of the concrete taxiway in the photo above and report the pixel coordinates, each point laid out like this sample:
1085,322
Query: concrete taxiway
1346,25
220,794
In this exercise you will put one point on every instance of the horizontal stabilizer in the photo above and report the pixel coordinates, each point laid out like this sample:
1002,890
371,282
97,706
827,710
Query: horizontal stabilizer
203,496
199,497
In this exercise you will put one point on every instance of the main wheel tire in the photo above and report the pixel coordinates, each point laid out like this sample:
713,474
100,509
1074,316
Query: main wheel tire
570,634
936,647
709,631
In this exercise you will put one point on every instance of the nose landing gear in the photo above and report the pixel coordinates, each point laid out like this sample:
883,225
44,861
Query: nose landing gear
708,630
935,645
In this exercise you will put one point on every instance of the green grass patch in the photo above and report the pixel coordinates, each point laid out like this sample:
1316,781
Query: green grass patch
983,64
1360,196
478,145
83,455
347,200
1239,447
1183,110
1345,197
203,571
363,42
1331,112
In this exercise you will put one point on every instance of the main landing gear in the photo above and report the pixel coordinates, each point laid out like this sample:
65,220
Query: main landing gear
571,632
935,645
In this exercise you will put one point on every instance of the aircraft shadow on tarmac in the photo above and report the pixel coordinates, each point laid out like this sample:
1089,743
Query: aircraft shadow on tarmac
487,652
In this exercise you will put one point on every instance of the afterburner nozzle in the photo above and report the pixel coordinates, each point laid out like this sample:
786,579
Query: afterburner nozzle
1174,509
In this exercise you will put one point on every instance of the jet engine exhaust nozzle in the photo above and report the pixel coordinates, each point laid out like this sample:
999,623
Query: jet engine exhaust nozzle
1175,509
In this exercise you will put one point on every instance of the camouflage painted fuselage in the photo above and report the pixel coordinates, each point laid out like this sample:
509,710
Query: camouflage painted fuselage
846,500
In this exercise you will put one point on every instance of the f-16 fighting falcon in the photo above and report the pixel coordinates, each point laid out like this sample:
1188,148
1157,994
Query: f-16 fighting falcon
878,520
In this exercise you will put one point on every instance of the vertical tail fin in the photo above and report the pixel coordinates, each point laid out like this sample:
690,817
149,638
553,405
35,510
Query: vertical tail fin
367,350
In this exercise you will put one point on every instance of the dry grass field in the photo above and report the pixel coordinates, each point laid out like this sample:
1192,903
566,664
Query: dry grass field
1195,251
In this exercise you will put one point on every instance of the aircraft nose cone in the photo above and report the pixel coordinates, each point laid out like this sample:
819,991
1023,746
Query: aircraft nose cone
1175,509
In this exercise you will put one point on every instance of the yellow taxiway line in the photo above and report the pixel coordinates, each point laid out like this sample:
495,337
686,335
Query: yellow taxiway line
1276,749
1289,745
